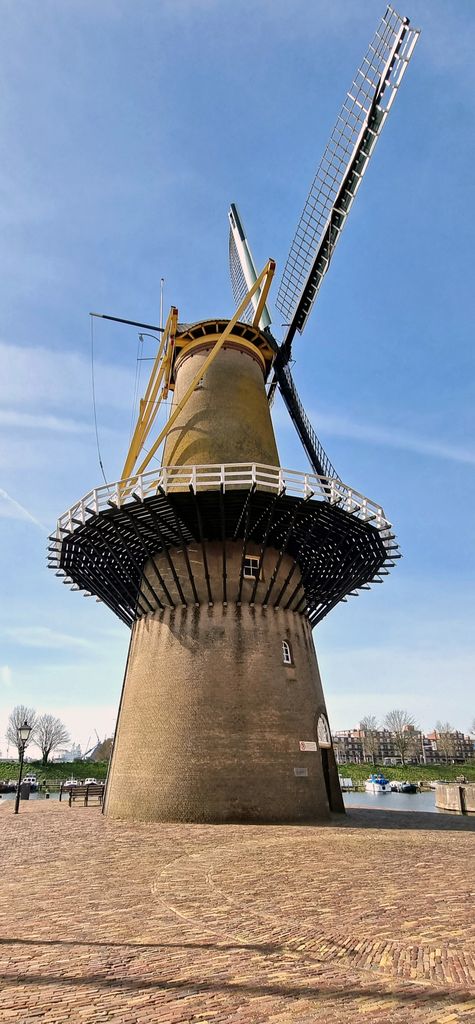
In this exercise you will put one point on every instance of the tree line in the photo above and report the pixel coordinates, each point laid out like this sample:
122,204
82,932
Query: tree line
47,732
405,734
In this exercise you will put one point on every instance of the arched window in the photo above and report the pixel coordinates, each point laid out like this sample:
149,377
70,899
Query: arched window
287,653
323,732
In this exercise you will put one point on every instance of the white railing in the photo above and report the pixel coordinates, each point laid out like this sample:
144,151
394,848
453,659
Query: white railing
230,476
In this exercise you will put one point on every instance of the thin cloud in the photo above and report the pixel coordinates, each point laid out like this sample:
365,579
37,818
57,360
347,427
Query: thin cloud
431,684
5,675
43,636
12,418
336,426
27,372
375,434
10,508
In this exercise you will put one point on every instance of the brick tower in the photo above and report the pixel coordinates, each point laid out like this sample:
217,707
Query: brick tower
221,562
222,687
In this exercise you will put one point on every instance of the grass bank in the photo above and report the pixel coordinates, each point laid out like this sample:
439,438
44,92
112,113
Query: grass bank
413,772
56,773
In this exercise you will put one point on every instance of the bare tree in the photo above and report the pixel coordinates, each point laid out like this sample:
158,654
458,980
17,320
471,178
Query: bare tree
339,748
444,733
401,724
16,718
49,734
369,728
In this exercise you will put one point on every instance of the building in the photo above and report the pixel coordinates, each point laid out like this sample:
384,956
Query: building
355,746
455,747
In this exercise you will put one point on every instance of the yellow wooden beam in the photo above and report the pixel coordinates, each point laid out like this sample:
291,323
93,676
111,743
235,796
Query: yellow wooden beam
263,295
169,362
262,279
150,403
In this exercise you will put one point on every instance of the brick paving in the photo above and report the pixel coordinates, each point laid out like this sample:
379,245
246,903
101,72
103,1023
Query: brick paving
369,919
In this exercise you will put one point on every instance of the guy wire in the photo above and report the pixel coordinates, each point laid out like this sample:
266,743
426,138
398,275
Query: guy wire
136,387
94,402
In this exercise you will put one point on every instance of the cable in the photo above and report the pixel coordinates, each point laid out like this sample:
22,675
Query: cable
136,387
94,403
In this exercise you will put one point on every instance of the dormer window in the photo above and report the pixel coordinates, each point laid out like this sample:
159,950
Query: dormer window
287,653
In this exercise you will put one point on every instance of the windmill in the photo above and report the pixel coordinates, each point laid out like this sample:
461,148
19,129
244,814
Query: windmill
220,560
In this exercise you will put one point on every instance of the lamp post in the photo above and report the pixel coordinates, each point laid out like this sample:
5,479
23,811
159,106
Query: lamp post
23,737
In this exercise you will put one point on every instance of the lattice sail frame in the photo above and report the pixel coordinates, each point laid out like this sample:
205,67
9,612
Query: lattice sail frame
313,447
358,126
238,281
242,270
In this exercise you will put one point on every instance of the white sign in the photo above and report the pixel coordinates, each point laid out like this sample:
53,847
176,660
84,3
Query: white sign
307,745
301,773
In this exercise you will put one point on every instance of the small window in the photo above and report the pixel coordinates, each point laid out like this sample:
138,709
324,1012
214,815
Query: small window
287,653
251,567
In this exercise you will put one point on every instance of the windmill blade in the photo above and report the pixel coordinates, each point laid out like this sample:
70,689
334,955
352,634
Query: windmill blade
314,449
359,124
242,269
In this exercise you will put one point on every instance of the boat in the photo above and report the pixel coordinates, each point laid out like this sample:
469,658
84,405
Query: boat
9,786
32,781
69,783
403,787
377,784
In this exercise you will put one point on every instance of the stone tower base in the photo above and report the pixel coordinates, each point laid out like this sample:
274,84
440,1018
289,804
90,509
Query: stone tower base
211,720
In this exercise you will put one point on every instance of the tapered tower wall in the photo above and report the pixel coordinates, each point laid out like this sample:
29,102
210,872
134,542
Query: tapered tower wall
211,718
227,418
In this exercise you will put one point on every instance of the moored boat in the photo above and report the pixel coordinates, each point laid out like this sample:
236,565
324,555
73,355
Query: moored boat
403,787
8,787
377,784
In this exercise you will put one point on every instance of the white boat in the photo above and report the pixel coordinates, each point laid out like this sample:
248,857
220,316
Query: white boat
377,784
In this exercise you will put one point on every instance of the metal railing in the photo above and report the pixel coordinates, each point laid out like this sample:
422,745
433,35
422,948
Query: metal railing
227,476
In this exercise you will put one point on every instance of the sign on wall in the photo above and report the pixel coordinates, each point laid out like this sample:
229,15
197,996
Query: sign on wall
307,745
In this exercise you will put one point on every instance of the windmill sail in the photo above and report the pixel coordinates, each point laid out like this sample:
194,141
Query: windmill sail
243,274
342,167
242,269
315,451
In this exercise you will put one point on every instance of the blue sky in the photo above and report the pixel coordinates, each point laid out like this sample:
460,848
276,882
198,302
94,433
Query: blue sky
127,130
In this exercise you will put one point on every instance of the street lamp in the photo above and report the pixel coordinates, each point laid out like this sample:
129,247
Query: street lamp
23,734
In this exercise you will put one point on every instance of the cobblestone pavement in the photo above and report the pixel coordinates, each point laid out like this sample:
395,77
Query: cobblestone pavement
369,918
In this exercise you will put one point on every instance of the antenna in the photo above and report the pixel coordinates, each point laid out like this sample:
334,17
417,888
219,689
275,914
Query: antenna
344,162
162,282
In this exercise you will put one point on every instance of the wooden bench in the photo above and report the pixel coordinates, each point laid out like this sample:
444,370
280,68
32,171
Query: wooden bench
93,789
